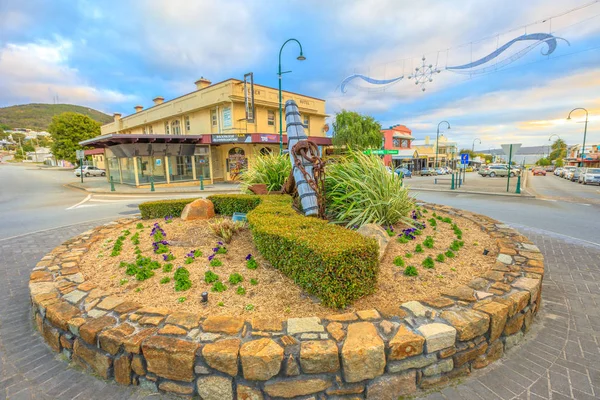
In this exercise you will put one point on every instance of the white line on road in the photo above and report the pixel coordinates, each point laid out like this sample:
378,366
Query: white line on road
89,196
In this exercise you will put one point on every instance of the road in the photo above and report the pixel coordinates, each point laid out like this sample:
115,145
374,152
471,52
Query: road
551,187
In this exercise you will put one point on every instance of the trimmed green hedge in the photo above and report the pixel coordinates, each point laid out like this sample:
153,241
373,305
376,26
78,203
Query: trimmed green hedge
333,263
164,208
228,204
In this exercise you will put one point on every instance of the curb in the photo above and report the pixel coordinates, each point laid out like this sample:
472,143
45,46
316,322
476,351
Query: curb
522,195
149,193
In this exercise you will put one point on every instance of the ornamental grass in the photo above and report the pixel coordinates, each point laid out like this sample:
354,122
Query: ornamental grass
270,169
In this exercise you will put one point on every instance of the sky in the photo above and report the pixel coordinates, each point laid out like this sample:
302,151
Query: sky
112,55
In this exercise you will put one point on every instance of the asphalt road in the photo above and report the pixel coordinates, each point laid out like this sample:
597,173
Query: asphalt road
552,187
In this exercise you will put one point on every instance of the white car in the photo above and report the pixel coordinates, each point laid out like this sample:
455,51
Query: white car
89,171
590,175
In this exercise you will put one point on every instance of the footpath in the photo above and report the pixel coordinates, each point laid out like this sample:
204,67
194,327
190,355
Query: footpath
99,185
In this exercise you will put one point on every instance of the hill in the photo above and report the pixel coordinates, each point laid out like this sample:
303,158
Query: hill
38,116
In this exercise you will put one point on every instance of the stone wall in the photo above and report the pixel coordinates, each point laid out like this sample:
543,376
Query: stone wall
348,355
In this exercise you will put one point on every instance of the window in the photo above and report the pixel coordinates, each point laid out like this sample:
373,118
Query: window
271,118
175,127
187,124
143,130
306,120
150,130
167,128
265,151
213,117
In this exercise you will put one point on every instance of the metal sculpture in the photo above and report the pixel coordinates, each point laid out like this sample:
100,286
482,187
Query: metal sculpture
369,80
424,74
308,170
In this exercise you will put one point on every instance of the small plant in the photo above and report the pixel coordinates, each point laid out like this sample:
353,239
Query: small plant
165,279
253,282
137,290
428,263
167,267
461,243
181,299
210,277
168,257
197,253
453,269
418,232
221,304
139,226
432,222
428,242
240,290
475,244
118,246
144,273
455,246
168,219
390,231
123,281
161,248
220,250
123,264
440,258
225,228
399,261
447,220
402,239
135,239
249,307
235,278
434,214
411,271
418,249
218,287
126,232
424,211
215,262
251,262
408,255
188,260
182,279
450,254
439,218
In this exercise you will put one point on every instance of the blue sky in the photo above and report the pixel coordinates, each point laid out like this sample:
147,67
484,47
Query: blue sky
112,55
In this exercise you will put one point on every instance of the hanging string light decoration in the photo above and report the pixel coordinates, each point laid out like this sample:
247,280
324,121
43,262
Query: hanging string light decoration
424,74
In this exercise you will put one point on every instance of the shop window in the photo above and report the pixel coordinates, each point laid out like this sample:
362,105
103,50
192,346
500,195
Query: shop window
271,118
265,151
167,128
236,162
396,142
187,124
213,117
175,127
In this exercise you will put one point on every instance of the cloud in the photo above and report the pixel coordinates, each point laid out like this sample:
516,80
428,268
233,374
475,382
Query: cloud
38,72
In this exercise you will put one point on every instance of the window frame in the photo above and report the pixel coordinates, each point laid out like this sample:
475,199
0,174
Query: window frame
270,121
167,127
213,117
188,125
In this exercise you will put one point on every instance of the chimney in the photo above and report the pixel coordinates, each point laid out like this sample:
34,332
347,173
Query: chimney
202,83
158,100
116,116
138,108
426,139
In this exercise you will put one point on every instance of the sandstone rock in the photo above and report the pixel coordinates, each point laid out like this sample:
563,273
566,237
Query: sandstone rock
387,327
429,382
137,365
343,389
172,330
261,359
376,232
74,325
215,388
450,351
498,314
411,363
468,323
60,313
112,339
504,258
529,284
170,358
123,369
223,324
405,344
99,362
164,311
521,300
153,320
109,303
223,355
468,355
336,330
463,292
319,356
478,284
296,387
528,320
187,320
438,302
416,308
513,340
41,276
89,331
132,343
248,393
514,324
363,354
75,296
347,317
51,336
368,315
291,366
267,324
437,336
176,388
198,209
494,352
445,365
126,307
36,288
392,387
304,325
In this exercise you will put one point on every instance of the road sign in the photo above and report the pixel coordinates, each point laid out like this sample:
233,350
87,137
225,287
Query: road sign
515,148
464,158
79,154
380,152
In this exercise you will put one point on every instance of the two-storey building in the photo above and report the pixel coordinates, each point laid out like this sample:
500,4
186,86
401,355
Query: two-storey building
206,133
399,137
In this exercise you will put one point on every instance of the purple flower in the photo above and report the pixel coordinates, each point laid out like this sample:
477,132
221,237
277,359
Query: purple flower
220,243
216,249
211,257
165,256
248,257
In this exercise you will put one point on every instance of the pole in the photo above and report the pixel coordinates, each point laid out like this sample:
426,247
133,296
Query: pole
452,184
81,169
584,135
112,184
437,138
202,182
152,183
518,185
509,161
279,73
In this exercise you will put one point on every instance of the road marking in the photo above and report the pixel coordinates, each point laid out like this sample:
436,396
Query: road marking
89,196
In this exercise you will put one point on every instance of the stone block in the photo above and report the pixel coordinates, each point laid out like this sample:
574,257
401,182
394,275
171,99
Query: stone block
438,302
411,363
376,232
437,336
132,343
445,365
60,313
109,303
504,259
368,315
269,324
521,299
111,340
530,284
514,324
498,315
172,330
123,369
215,388
347,317
170,358
513,340
90,330
261,359
291,366
319,357
51,336
296,387
405,344
177,388
392,387
363,354
416,308
99,362
463,293
494,352
248,393
223,355
198,209
137,365
223,324
304,325
184,319
468,323
341,389
465,356
336,330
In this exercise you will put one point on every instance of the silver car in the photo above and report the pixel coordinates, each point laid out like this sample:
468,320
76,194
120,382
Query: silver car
590,175
89,171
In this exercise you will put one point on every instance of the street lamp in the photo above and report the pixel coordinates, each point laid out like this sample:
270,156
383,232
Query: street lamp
279,73
549,139
473,148
437,138
584,132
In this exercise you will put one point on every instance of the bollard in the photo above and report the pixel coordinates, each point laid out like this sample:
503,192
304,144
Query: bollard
435,181
518,185
201,182
452,184
112,184
152,183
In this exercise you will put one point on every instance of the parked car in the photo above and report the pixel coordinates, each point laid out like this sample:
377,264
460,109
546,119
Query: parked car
89,171
574,177
557,171
539,171
440,171
549,168
590,175
403,172
493,170
469,169
566,170
428,172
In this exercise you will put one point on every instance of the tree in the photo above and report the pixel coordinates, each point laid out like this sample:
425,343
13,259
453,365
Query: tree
559,150
67,130
471,154
44,141
356,131
3,135
543,162
18,138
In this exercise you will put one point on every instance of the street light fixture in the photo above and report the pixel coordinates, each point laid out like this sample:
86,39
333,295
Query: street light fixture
279,73
549,139
437,138
473,148
584,132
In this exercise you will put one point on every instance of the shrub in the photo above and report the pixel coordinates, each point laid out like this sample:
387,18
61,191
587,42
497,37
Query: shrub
251,263
210,277
440,258
450,254
182,279
418,248
399,261
143,274
235,278
360,190
428,242
253,281
218,287
271,170
335,264
411,271
167,267
241,291
402,239
428,262
163,208
215,262
165,279
455,246
225,228
227,204
408,255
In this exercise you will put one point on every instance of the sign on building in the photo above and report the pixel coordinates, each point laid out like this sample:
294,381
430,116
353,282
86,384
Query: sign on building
231,138
249,96
227,122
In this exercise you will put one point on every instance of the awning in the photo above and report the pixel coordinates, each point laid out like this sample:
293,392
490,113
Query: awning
407,154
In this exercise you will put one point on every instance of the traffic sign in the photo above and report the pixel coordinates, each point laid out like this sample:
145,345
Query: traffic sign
464,158
380,152
79,154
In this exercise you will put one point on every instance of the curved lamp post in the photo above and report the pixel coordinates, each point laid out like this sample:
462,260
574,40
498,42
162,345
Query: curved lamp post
279,73
437,138
549,139
473,148
584,132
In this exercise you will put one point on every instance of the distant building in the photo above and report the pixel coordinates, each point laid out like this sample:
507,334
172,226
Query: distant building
203,133
399,137
447,152
591,158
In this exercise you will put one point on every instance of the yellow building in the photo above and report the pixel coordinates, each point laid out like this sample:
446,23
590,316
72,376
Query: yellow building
207,133
446,149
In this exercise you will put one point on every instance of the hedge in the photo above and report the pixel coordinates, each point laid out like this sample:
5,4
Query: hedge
164,208
333,263
228,204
